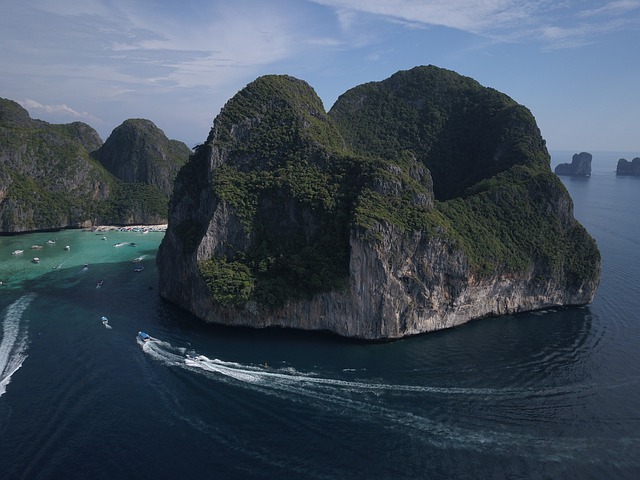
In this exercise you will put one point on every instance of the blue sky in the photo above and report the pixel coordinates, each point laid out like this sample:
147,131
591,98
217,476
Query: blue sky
574,63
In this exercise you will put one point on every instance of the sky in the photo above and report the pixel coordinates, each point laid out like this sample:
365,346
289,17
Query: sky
574,63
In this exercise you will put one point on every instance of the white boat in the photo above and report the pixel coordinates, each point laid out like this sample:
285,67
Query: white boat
51,242
17,252
67,248
35,260
119,244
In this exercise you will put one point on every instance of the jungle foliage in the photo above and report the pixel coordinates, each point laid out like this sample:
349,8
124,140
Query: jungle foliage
426,150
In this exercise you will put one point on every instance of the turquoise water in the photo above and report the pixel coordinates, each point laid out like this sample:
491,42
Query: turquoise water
551,394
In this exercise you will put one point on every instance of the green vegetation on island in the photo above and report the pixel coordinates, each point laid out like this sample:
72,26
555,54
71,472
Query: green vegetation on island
426,151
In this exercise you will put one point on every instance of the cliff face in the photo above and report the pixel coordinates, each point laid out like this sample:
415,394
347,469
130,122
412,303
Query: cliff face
626,167
418,203
580,166
49,180
139,152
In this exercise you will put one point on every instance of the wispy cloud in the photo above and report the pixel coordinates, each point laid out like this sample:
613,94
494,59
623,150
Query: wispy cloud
555,24
58,111
617,8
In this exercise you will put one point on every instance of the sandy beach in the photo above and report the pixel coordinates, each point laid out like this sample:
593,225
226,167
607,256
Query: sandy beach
128,228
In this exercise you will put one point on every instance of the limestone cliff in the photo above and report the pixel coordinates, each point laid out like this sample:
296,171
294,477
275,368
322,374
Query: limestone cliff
631,168
417,203
49,180
580,166
139,152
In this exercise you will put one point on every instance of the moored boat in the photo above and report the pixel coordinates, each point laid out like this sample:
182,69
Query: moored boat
35,260
17,252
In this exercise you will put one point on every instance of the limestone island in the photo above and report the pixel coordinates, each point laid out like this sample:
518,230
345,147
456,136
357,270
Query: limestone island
630,168
580,166
63,176
415,204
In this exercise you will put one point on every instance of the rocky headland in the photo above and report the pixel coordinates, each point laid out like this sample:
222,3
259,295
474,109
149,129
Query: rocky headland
415,204
631,168
580,166
63,176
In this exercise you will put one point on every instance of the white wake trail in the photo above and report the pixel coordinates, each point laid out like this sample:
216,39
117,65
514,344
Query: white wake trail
13,346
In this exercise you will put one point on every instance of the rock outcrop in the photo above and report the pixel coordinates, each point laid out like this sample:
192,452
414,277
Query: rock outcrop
49,180
139,152
631,168
580,166
417,203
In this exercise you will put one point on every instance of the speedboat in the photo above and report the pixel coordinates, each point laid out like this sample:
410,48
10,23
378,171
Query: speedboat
120,244
35,260
105,320
99,284
143,337
67,248
138,269
51,242
17,252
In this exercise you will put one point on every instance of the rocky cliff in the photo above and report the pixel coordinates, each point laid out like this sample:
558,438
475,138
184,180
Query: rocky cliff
417,203
626,167
49,180
139,152
580,166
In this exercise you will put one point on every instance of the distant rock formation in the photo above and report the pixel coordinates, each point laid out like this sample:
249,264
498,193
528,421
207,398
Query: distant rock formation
415,204
631,168
139,152
49,180
580,166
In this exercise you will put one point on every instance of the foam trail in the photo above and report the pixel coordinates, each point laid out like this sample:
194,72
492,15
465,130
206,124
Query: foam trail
14,341
346,396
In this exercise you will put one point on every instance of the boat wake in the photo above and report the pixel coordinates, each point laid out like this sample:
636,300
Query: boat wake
13,346
370,399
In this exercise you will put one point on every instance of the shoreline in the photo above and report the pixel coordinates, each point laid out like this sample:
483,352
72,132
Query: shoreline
128,228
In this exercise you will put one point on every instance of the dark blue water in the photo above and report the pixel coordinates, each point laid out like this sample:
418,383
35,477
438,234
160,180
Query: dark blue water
554,394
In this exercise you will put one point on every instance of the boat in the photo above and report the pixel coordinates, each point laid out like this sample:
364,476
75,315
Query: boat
17,252
104,238
67,248
37,247
138,259
99,284
143,337
105,320
51,242
138,269
119,244
35,260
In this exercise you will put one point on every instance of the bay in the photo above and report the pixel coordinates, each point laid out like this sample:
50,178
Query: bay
551,394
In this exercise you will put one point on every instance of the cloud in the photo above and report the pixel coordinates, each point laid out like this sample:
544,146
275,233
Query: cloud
621,7
557,24
56,111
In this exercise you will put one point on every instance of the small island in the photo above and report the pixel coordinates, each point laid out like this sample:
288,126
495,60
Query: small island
628,168
580,166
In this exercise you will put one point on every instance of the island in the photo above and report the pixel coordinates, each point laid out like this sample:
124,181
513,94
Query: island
629,168
63,176
580,166
417,203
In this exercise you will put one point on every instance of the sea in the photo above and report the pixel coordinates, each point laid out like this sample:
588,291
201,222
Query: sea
553,394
